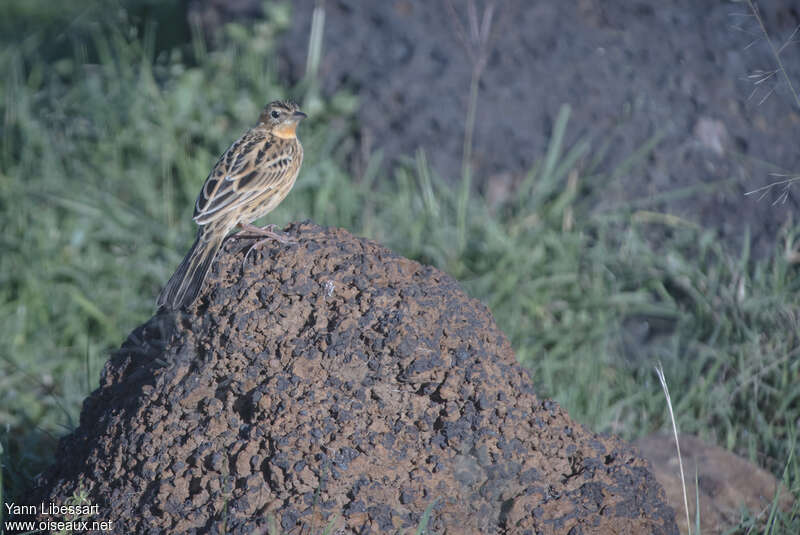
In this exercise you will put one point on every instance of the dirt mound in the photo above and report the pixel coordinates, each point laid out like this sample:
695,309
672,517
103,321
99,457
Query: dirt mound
333,377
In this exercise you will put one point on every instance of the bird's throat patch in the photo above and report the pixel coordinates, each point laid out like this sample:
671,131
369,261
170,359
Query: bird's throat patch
286,130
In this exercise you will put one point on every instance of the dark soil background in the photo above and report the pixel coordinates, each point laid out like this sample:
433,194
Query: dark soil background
630,70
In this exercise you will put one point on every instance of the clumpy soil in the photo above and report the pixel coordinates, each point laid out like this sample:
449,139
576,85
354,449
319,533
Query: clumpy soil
629,69
333,377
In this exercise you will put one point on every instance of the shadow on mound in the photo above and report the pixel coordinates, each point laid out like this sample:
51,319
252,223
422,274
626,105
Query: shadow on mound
333,377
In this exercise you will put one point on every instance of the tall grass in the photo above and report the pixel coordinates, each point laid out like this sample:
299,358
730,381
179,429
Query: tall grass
103,155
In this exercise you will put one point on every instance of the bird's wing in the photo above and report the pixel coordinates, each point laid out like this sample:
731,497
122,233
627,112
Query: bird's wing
251,166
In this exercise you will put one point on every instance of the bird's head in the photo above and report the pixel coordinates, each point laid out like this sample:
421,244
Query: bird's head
281,117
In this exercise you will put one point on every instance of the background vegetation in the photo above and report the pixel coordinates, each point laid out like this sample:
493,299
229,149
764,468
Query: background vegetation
109,128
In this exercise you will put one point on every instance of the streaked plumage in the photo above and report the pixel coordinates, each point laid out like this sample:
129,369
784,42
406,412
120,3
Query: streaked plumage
248,181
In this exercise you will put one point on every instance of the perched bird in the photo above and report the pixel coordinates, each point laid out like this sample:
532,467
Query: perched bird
248,181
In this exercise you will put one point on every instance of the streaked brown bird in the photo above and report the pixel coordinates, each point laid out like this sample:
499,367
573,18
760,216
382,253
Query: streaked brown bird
250,179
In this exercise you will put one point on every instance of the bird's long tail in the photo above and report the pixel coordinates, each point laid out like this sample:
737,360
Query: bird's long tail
186,282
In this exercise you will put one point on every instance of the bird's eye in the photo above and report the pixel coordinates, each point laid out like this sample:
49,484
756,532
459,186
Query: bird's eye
275,114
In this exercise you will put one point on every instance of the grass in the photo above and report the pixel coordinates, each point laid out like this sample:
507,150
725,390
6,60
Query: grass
663,380
103,153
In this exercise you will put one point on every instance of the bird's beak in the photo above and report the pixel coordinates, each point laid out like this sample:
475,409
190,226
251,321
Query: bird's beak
298,116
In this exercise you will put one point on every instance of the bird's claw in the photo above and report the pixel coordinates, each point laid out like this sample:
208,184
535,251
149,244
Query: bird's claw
249,231
269,232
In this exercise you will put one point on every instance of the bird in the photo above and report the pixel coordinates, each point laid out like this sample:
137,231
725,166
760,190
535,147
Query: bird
248,181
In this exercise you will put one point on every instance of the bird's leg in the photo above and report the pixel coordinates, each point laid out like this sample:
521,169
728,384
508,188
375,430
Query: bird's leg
268,232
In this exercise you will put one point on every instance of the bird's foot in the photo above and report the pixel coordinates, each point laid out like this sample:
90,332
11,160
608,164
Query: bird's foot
268,233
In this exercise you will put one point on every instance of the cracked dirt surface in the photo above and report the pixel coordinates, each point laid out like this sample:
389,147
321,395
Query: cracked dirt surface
331,376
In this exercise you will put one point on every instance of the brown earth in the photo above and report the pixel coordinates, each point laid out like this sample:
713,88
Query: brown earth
726,483
333,377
